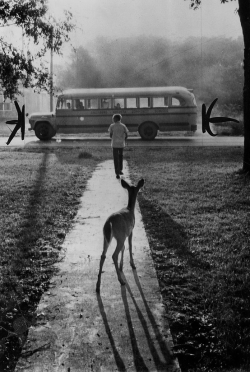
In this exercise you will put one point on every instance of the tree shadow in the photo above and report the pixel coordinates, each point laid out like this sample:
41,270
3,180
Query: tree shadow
169,235
19,304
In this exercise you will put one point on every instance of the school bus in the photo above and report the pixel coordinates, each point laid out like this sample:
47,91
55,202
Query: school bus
143,110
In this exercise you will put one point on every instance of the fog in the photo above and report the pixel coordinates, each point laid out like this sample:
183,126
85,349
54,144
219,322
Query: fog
174,19
212,68
130,43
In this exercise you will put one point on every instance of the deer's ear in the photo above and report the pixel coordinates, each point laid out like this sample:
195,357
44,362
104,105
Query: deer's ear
140,183
124,184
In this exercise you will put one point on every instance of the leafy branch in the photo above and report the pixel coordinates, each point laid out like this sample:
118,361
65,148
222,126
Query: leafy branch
43,30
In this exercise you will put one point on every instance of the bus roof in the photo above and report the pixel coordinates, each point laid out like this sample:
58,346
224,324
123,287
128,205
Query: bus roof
121,92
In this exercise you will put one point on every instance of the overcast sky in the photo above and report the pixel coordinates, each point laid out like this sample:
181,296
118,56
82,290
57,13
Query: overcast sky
127,18
167,18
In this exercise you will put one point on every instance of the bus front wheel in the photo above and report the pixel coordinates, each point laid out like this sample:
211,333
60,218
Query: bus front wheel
148,131
44,131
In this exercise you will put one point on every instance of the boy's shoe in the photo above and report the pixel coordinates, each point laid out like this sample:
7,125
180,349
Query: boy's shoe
121,172
117,176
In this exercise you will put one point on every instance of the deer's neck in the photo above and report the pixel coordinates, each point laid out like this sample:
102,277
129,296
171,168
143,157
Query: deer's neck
131,204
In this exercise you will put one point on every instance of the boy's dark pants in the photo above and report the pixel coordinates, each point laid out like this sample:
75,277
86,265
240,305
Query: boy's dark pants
118,159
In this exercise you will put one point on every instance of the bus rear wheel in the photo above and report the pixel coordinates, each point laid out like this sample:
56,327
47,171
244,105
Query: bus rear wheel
44,131
148,131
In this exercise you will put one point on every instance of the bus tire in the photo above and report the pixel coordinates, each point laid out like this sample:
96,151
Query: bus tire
148,131
44,131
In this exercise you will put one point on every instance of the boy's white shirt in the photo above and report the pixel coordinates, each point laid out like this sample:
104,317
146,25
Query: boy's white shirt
119,132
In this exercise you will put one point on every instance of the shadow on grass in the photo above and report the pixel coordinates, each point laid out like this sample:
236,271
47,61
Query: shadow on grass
175,265
166,234
82,156
22,283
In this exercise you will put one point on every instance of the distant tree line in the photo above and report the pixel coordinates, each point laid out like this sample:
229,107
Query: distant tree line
212,67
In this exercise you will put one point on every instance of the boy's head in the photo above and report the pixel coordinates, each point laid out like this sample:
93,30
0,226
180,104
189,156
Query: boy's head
116,118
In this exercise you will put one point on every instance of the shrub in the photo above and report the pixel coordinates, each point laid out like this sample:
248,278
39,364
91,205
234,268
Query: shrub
229,129
85,155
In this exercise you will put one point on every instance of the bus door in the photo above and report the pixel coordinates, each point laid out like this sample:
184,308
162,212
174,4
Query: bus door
178,113
99,114
63,114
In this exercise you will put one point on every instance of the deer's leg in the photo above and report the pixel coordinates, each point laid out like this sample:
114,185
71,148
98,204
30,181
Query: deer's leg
122,254
115,255
130,250
103,256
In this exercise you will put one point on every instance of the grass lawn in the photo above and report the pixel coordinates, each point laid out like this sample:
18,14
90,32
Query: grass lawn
39,196
196,210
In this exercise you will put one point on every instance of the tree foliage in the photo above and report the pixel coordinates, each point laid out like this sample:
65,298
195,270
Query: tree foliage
82,71
42,31
195,4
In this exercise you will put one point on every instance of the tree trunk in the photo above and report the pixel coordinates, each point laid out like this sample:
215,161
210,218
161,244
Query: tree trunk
244,14
246,112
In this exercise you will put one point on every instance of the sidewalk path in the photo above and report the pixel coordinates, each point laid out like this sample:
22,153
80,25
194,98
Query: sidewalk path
122,329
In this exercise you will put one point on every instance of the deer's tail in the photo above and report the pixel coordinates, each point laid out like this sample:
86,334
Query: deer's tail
107,231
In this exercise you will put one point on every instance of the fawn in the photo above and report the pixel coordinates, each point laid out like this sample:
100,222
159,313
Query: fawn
120,226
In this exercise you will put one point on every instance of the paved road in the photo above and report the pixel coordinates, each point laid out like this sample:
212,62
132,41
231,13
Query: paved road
70,141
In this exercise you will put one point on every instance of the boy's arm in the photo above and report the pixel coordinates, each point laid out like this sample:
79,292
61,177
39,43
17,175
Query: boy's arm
126,132
110,132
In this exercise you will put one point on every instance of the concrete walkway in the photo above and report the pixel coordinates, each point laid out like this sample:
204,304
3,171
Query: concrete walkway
122,329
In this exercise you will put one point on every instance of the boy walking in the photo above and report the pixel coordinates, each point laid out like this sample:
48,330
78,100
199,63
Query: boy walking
118,133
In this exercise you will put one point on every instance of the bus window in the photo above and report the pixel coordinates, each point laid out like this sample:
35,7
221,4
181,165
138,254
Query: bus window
92,103
144,102
78,104
119,103
64,104
178,101
131,103
105,103
160,101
